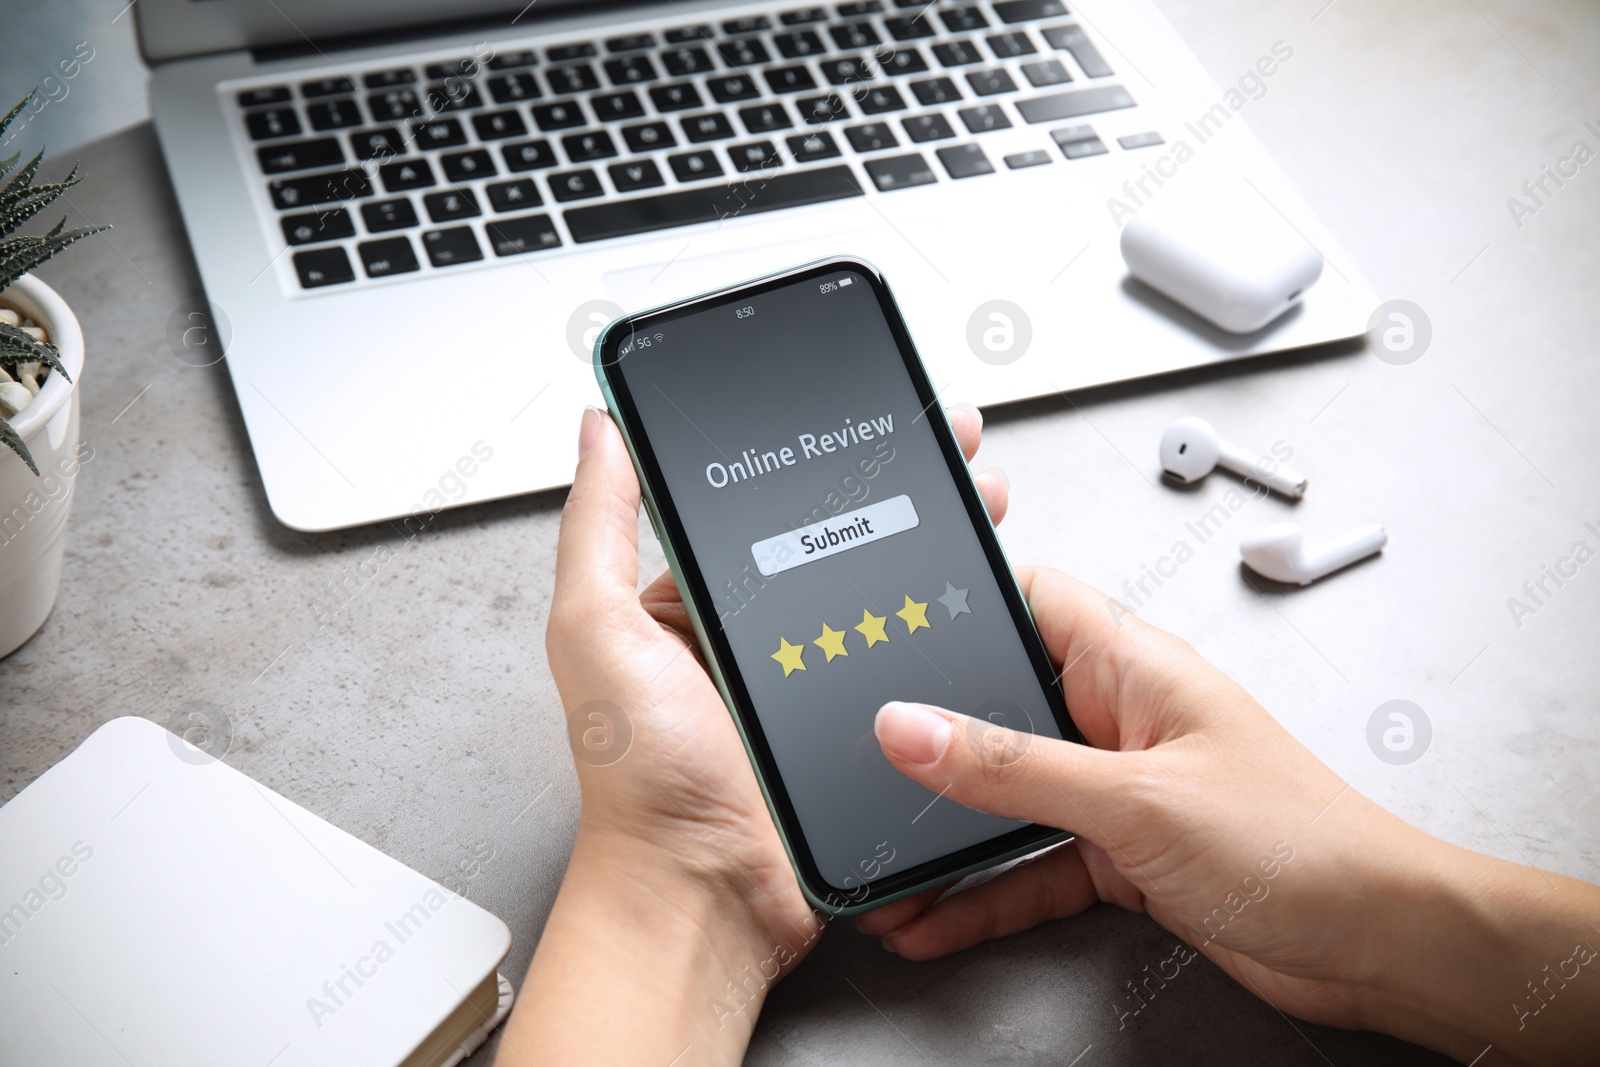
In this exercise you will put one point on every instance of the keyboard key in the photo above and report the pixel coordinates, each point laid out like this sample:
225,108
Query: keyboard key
685,34
935,91
853,36
1011,45
326,87
794,79
765,117
1078,142
610,107
316,226
334,114
575,185
266,94
732,87
508,60
387,79
990,82
467,166
1045,72
799,44
1141,140
446,248
985,118
517,195
562,115
681,62
392,255
857,8
1072,39
1012,11
383,215
582,147
528,155
510,88
323,266
877,101
963,20
810,147
300,155
274,122
964,161
693,166
648,136
709,127
597,222
451,204
394,104
575,79
633,42
748,24
630,70
909,28
440,133
901,61
465,67
678,97
383,142
454,95
846,71
927,128
631,177
530,233
817,109
406,174
873,137
1072,104
1019,160
804,15
319,189
956,53
563,53
493,125
743,52
757,155
899,172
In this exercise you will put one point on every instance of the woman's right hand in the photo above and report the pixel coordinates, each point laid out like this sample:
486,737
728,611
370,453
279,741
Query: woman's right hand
1195,806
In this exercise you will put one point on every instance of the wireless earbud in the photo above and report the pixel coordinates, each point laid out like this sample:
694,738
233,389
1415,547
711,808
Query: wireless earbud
1279,552
1191,449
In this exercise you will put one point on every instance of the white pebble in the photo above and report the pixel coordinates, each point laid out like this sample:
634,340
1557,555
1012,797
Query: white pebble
36,332
30,383
9,317
5,376
13,398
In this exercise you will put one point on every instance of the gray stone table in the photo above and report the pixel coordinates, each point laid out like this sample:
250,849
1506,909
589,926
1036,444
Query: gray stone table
418,713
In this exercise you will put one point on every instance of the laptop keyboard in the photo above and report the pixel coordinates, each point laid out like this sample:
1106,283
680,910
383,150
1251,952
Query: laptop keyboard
433,165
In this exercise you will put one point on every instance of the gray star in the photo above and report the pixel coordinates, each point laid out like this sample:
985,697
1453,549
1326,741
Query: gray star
956,600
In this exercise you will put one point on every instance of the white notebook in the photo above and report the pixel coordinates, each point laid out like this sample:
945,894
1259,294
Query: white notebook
158,907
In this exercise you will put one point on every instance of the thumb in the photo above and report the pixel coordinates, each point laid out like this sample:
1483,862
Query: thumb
597,555
1005,772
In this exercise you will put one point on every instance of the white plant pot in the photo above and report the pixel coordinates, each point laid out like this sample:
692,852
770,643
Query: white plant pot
34,508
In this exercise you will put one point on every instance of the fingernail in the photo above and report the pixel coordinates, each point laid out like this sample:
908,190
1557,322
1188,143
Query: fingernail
912,733
971,409
996,472
588,430
888,944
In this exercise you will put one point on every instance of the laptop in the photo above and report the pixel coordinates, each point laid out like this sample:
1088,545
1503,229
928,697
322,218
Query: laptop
412,220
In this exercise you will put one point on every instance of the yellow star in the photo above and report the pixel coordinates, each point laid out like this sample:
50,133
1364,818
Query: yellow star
872,627
915,615
789,655
831,642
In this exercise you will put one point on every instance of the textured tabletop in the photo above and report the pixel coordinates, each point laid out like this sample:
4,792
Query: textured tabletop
397,687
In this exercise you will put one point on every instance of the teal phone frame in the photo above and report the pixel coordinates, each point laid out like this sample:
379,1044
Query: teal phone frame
830,899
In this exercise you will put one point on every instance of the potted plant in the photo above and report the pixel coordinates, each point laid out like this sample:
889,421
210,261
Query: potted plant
41,360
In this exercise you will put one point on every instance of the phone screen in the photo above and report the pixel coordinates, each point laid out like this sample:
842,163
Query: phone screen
823,517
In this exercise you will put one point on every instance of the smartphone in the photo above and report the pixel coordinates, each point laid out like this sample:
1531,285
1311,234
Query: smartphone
834,554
